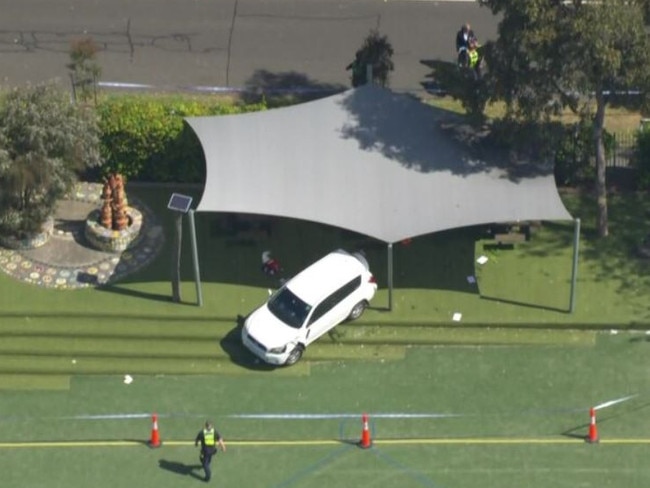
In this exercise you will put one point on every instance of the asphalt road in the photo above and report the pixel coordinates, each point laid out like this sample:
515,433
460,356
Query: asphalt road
230,43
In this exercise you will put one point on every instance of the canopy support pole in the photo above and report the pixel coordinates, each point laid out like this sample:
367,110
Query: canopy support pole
390,276
176,257
195,260
574,269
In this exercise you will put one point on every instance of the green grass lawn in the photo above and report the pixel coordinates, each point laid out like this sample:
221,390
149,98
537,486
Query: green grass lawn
525,285
506,391
498,416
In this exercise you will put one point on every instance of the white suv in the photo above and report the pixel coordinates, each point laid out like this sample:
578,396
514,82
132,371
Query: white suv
337,287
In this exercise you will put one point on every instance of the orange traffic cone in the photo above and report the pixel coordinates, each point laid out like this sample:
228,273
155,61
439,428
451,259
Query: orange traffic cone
155,436
593,430
365,441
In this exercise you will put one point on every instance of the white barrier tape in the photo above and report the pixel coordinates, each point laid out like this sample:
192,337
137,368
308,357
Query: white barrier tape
614,402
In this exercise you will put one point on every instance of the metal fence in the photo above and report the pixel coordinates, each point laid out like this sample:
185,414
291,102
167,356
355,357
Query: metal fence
624,147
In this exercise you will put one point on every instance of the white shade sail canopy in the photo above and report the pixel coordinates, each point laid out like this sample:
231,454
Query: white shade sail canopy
367,160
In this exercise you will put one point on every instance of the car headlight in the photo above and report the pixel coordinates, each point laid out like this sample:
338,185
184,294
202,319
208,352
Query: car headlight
278,350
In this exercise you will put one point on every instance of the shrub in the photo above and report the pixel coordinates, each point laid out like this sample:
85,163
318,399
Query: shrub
377,52
575,154
45,142
145,138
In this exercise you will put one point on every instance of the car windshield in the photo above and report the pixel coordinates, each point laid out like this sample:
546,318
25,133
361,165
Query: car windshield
289,308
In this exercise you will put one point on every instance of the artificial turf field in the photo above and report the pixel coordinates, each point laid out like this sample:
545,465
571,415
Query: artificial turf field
493,416
503,396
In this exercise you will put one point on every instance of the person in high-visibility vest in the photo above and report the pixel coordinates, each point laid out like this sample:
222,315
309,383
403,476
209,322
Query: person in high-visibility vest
209,439
474,58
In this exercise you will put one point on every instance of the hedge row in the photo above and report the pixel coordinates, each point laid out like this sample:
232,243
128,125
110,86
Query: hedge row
145,138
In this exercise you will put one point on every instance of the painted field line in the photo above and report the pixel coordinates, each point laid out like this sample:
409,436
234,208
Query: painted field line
332,416
330,442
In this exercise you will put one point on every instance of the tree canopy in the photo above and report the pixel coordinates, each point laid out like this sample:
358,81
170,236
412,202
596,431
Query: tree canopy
554,54
45,142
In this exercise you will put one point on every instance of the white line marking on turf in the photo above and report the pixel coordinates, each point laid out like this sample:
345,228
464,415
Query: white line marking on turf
113,416
325,416
614,402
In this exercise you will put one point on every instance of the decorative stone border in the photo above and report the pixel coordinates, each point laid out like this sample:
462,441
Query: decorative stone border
32,242
144,249
110,240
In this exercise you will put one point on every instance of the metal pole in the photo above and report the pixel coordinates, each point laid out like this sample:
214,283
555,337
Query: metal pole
195,260
176,257
390,276
369,80
574,270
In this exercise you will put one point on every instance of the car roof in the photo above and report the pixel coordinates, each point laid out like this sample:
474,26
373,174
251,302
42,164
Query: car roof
326,276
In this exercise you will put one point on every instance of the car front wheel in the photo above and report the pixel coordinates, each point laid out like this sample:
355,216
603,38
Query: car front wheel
295,355
357,310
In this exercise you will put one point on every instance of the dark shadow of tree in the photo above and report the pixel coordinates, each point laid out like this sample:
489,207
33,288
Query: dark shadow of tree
425,138
286,87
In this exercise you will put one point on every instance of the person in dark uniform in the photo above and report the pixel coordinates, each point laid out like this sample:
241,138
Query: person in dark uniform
464,37
209,439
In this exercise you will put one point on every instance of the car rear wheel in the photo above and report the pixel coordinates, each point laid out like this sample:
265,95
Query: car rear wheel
295,355
357,310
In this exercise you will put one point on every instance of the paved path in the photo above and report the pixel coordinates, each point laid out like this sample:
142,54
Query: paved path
230,43
66,260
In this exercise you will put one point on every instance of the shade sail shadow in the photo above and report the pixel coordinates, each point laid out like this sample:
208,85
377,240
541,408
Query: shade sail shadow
181,468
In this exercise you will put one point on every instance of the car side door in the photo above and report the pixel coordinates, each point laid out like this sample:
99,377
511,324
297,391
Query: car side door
331,311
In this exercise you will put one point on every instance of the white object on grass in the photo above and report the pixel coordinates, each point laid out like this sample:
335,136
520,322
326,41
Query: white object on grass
482,260
128,379
457,316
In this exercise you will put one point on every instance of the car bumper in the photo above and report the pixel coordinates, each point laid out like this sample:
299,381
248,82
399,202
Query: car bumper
259,351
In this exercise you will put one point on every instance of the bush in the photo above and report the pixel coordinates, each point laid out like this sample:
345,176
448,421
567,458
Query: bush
575,156
45,143
145,138
377,52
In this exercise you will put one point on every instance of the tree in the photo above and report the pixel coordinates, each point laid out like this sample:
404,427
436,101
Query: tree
552,54
376,52
83,67
45,141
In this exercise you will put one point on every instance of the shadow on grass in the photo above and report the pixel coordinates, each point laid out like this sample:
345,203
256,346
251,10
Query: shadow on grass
524,304
140,294
239,355
181,468
101,314
230,247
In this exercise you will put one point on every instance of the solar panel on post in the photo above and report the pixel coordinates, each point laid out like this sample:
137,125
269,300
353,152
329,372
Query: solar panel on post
179,202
